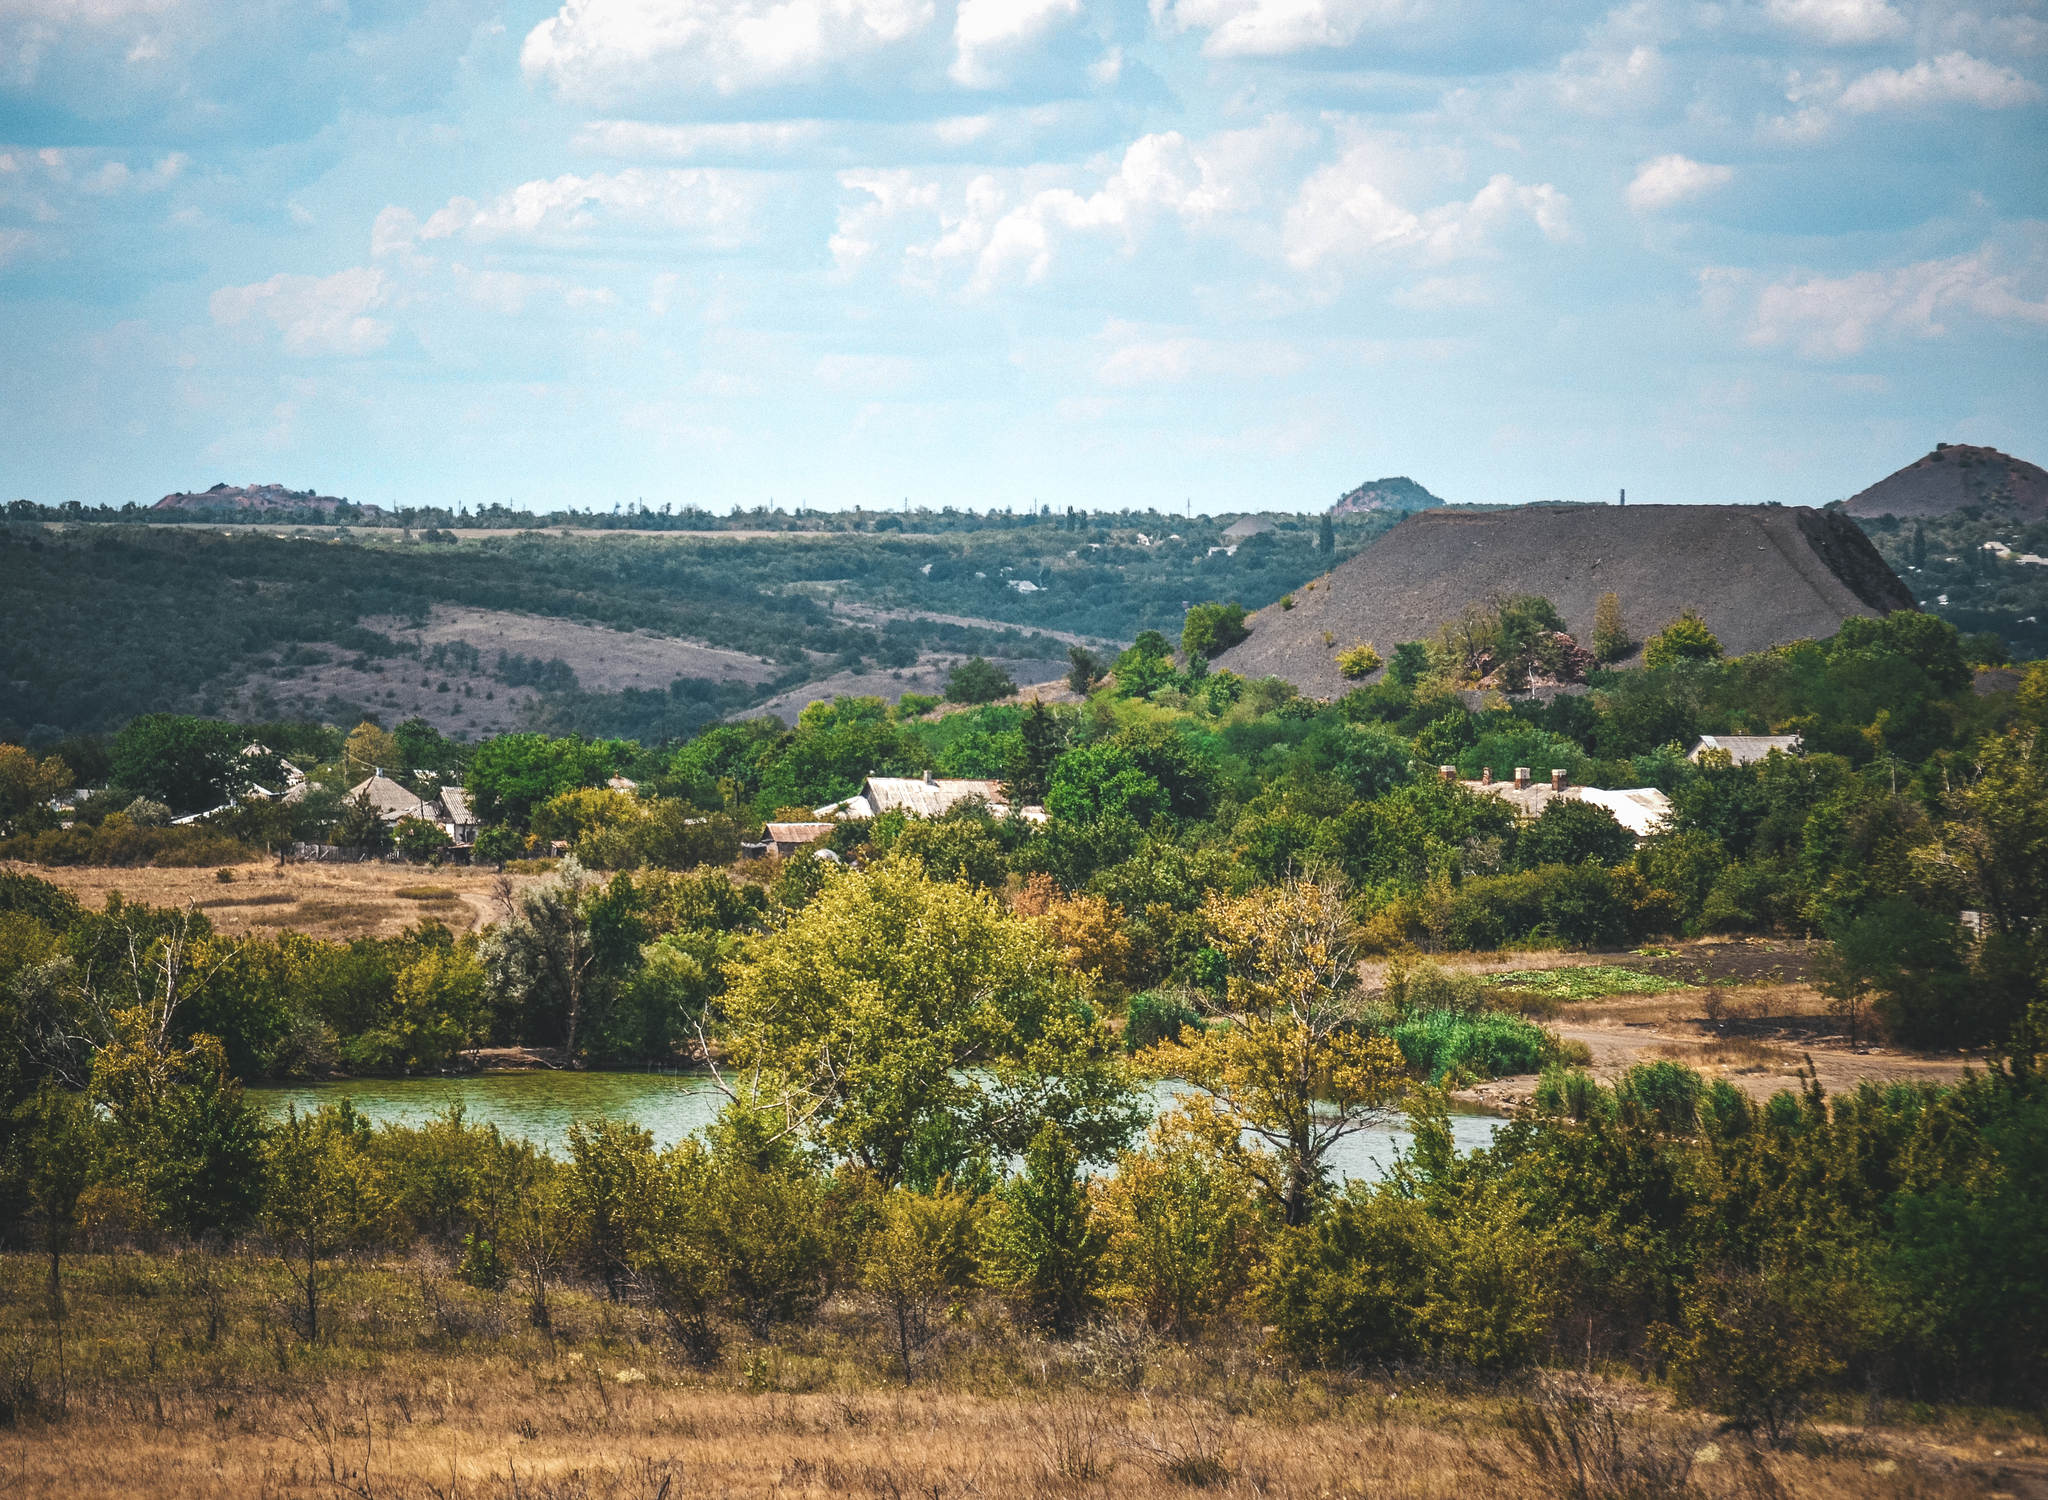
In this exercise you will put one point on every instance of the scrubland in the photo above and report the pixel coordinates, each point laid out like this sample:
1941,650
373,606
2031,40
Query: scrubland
179,1372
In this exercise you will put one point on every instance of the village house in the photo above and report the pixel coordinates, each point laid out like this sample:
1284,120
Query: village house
1642,810
1745,749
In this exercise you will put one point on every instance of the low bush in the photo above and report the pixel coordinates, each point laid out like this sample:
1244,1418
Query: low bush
120,842
1486,1044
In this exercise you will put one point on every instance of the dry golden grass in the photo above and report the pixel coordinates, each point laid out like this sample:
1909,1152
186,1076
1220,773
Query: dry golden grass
1734,1055
181,1375
329,901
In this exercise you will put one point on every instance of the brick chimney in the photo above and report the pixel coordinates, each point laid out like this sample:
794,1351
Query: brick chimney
1486,775
1557,780
1448,773
1521,778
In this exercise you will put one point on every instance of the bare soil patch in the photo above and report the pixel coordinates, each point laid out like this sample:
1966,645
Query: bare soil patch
928,676
326,901
1748,1014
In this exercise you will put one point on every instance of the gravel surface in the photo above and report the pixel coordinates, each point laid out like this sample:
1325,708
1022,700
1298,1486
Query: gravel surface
1761,576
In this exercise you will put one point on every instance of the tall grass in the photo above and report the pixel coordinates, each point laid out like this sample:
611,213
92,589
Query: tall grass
1481,1044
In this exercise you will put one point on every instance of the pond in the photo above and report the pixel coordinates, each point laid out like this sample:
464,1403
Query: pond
539,1106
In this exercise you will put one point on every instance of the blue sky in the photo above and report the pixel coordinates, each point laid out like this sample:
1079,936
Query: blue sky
1239,253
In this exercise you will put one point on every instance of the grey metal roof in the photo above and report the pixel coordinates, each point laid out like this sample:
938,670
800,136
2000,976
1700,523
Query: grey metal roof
1746,748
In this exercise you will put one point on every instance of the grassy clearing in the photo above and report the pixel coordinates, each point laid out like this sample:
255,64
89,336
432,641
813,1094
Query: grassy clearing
182,1375
1576,985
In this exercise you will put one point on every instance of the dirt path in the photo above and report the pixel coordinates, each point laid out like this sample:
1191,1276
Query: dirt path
1747,1014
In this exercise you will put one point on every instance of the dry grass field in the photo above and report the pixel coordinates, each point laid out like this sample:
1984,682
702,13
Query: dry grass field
182,1375
328,901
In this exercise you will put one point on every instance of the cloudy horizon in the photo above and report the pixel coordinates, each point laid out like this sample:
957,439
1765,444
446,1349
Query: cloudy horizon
1238,254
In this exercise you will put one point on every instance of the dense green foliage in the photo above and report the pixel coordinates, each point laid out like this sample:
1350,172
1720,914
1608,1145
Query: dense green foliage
111,621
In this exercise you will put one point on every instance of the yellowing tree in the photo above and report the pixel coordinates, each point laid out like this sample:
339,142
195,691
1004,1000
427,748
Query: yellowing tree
370,748
908,1023
1292,1068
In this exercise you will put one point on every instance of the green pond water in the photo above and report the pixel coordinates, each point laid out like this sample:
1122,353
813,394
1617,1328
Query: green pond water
539,1106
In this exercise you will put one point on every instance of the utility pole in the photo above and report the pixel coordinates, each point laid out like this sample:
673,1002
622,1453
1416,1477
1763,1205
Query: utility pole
1624,497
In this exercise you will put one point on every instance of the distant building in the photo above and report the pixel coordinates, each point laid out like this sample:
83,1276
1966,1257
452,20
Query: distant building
1249,527
923,797
448,808
787,838
1642,810
1746,749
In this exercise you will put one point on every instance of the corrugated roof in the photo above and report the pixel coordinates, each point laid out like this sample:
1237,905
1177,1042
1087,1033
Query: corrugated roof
797,833
1642,810
456,800
928,799
1746,748
393,801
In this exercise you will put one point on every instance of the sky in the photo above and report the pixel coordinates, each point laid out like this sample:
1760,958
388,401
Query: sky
1219,254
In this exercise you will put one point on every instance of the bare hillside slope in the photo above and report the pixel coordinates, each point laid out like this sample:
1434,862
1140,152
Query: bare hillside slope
1761,575
1953,476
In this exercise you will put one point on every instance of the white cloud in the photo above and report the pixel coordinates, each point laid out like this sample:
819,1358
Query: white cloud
1842,23
636,140
1828,318
1665,180
315,314
1139,360
1957,78
1274,28
711,207
984,27
600,51
1341,214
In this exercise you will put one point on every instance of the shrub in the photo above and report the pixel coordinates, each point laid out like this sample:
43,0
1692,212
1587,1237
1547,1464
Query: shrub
1155,1018
1611,640
1212,628
1570,832
1489,1044
1360,661
1684,639
496,845
977,680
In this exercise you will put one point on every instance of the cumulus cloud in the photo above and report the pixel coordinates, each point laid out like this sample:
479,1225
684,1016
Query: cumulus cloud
1275,28
984,30
249,70
1957,78
1665,180
1341,214
703,206
315,314
1841,23
603,51
1833,317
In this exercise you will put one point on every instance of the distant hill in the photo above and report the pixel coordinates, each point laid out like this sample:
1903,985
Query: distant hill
1954,476
259,497
1400,493
1761,575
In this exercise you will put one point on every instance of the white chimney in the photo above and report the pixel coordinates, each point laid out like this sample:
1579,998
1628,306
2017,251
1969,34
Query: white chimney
928,779
1557,780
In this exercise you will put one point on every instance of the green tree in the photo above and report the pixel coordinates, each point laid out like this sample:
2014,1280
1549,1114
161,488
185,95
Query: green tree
1684,639
1570,832
561,960
1611,639
916,1261
893,1005
978,681
1211,629
607,1196
513,774
416,838
56,1140
1083,670
191,764
1326,535
1041,1241
321,1194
